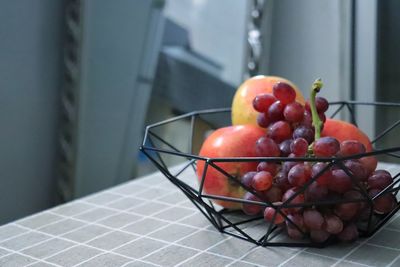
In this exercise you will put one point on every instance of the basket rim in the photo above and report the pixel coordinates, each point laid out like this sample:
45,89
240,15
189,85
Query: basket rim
192,114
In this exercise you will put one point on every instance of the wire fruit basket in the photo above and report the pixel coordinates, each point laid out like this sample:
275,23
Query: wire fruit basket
255,229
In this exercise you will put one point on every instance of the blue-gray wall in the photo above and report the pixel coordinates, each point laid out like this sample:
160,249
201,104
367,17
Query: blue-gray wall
30,71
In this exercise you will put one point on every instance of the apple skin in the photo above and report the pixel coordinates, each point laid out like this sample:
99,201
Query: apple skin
342,131
242,104
228,142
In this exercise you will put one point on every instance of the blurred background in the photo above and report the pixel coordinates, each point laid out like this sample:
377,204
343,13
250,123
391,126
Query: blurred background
79,80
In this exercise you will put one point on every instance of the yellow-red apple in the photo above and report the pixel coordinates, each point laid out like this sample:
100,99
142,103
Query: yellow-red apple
242,105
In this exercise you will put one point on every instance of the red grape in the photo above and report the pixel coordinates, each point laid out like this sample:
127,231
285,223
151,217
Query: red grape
326,147
288,165
313,219
321,104
247,178
333,224
285,147
357,169
295,219
322,117
340,181
270,167
293,112
279,131
351,147
379,179
292,221
299,199
270,212
251,209
307,119
304,132
333,197
347,211
384,203
299,147
266,147
316,192
349,233
284,92
275,111
282,181
299,174
324,177
365,213
262,120
294,233
262,102
357,195
354,195
274,194
262,181
319,236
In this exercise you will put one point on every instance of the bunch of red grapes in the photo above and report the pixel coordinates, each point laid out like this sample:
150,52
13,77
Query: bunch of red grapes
310,198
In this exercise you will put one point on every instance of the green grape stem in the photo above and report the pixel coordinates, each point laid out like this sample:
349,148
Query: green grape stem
316,121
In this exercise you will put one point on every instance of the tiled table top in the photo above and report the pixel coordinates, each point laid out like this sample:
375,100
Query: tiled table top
148,222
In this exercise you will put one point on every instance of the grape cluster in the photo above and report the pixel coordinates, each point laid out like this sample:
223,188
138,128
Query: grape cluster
336,196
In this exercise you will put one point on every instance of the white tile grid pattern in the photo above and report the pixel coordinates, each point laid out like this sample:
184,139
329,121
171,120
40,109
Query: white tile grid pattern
105,199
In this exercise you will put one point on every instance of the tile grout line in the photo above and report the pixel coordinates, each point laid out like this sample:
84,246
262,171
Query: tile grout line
216,254
291,257
28,256
8,254
393,261
364,242
157,199
362,264
392,229
206,250
109,228
148,262
168,244
96,205
42,261
354,249
75,245
72,217
244,255
385,247
131,241
51,236
151,216
28,229
63,218
320,255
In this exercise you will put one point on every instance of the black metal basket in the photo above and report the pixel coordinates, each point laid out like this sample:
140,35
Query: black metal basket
253,228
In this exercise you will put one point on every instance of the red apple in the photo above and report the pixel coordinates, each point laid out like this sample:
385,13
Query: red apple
228,142
342,131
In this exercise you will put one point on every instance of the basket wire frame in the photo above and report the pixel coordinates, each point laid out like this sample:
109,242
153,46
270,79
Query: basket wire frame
253,228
